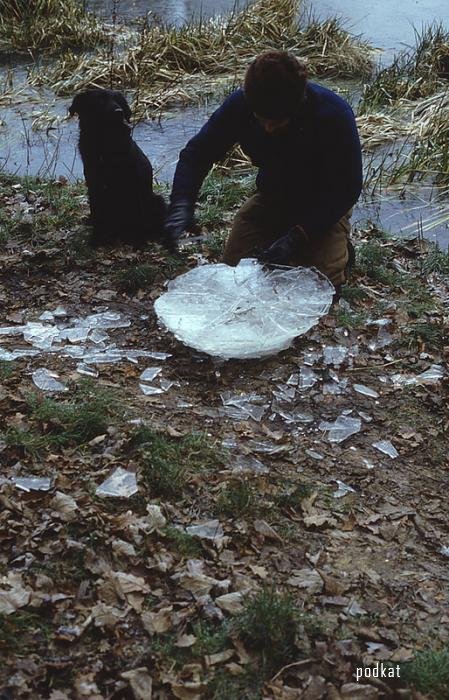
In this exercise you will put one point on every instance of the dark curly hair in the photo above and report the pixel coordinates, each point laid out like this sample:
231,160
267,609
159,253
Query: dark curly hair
275,84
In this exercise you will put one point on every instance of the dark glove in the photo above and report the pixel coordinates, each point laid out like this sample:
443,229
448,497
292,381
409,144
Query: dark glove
286,248
179,219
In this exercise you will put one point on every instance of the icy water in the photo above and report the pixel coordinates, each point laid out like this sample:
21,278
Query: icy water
387,25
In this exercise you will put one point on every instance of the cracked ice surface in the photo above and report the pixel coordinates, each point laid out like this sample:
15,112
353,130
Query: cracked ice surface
244,311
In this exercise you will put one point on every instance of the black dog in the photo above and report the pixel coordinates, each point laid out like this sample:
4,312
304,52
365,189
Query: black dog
118,174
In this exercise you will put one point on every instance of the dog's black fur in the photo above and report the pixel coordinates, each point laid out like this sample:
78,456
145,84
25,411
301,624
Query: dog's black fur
118,174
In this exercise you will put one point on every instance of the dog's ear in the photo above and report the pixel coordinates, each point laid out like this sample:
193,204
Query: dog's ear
123,104
75,106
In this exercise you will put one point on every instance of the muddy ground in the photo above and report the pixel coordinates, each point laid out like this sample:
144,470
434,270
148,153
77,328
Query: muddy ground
298,580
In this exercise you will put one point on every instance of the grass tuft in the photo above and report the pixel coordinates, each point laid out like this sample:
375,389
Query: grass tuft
182,542
168,463
268,625
429,673
237,500
64,423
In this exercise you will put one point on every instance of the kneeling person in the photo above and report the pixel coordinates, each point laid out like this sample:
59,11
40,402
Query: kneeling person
304,140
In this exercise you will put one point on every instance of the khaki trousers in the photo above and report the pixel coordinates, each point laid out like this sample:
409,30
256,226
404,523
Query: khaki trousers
258,223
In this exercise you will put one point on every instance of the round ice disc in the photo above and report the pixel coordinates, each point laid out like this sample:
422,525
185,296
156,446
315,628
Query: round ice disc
245,311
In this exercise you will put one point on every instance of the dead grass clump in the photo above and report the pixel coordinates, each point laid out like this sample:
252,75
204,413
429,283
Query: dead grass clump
47,25
414,74
172,65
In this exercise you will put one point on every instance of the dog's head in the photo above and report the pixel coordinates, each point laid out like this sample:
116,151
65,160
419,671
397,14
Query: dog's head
101,107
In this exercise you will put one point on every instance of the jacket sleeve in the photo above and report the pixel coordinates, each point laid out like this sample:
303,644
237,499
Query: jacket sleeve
338,179
209,146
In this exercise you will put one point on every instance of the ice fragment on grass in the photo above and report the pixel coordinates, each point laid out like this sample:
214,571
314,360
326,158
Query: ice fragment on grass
121,483
150,373
383,339
431,376
314,455
387,448
365,390
343,489
105,319
248,465
244,311
32,483
12,330
243,406
88,371
307,378
342,428
149,390
334,354
207,530
47,381
40,336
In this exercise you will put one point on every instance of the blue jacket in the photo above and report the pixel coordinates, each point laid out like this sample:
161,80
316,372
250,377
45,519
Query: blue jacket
313,169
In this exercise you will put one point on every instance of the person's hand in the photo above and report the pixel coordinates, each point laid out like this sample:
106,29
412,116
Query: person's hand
179,219
285,248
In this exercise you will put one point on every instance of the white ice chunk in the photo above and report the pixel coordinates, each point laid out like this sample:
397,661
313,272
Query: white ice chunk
365,390
120,483
32,483
59,312
307,378
105,319
342,428
334,354
343,489
207,530
248,464
150,390
387,448
47,381
150,373
243,406
12,330
40,336
431,376
88,371
244,311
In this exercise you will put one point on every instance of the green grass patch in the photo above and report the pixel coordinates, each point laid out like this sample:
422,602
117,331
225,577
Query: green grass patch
372,260
429,673
63,423
56,207
182,542
429,334
168,463
6,369
291,497
22,631
245,686
349,319
138,277
238,499
210,639
353,293
435,260
221,194
268,625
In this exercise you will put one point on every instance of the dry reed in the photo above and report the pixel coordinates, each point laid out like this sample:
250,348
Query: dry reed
185,61
47,25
